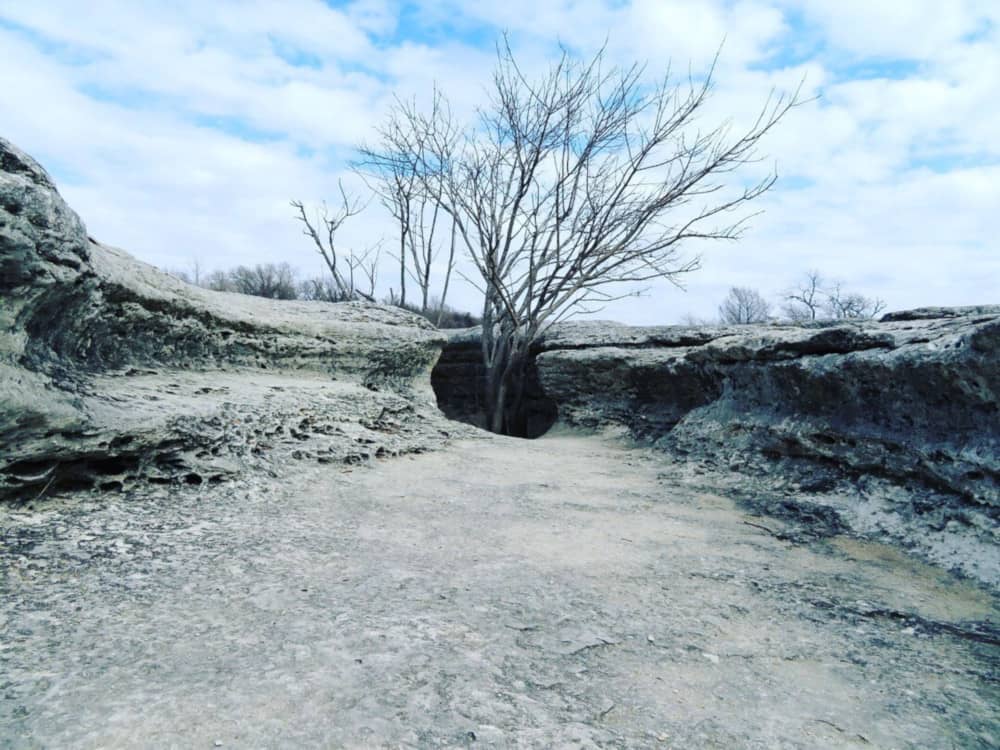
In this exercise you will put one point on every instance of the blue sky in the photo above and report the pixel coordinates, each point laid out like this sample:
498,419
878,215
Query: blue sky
180,131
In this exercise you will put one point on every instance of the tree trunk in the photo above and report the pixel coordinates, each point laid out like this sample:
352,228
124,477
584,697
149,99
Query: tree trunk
504,397
447,274
497,421
402,266
516,423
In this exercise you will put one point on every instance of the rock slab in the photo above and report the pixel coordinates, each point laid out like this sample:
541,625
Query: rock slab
894,425
112,371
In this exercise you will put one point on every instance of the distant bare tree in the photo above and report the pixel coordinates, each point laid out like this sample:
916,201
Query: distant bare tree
271,280
181,274
191,275
571,184
320,289
220,281
353,273
443,316
814,297
742,306
842,305
399,189
807,299
694,321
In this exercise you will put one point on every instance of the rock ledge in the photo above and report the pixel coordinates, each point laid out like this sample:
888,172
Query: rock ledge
112,371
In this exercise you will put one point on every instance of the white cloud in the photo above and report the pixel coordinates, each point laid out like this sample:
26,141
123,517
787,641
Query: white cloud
683,31
915,29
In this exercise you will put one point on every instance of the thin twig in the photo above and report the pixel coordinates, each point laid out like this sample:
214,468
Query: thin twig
772,532
48,483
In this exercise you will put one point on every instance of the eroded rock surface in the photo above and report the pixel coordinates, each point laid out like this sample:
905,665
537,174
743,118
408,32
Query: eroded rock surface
112,371
889,428
568,592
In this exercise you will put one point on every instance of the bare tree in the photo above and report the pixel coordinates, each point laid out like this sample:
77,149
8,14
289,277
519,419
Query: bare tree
353,273
399,189
196,272
843,305
743,306
571,184
807,299
695,321
321,289
815,297
218,280
442,306
271,280
190,275
181,274
416,210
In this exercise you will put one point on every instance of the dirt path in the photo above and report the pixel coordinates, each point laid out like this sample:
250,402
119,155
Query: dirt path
566,592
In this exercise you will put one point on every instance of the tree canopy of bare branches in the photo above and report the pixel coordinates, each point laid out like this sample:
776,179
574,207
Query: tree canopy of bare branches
274,281
843,305
571,184
353,273
743,306
805,300
416,210
816,298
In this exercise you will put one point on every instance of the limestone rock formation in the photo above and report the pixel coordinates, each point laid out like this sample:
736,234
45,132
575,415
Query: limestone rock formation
887,428
112,371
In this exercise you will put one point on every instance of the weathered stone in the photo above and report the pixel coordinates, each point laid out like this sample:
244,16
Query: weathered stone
111,370
568,592
902,415
556,593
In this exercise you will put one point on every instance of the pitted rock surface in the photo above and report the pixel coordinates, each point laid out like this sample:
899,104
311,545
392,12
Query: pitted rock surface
112,372
563,592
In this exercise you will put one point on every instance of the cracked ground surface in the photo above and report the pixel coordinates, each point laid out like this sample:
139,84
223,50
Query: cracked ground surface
564,592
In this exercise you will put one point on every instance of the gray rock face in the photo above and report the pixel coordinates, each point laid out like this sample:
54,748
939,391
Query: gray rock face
111,370
893,425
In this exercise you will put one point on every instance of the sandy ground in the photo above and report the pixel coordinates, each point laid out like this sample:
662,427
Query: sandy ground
564,592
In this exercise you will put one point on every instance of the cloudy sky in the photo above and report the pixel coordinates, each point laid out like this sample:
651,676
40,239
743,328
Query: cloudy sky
180,130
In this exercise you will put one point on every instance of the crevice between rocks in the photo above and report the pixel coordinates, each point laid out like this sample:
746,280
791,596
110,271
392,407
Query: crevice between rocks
459,379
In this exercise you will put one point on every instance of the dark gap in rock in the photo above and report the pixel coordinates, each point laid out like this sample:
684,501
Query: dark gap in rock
540,411
72,483
24,469
459,380
113,465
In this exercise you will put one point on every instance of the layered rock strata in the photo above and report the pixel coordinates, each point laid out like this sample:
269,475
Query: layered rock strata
887,428
112,371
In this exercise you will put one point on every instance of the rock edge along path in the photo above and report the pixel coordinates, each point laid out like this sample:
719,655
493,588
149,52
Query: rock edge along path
565,592
887,428
114,374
